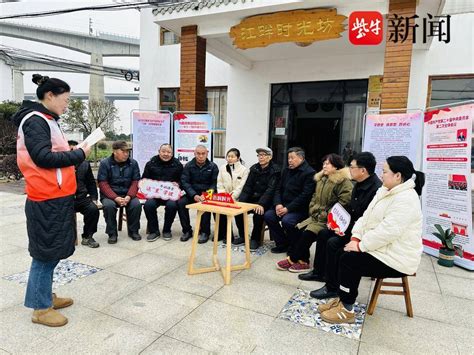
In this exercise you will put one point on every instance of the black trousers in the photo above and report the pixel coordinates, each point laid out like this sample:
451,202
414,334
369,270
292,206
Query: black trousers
134,210
354,265
334,250
257,225
205,226
303,244
91,215
171,207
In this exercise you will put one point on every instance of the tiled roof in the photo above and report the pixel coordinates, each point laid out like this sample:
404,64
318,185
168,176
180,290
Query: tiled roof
193,5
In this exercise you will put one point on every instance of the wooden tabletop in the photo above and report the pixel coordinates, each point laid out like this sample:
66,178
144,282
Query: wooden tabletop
244,207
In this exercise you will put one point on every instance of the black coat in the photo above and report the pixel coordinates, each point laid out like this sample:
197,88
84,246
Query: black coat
196,179
261,185
118,175
157,169
362,194
86,184
296,188
50,223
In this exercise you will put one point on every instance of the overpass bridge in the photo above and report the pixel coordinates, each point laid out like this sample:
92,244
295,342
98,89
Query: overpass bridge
98,46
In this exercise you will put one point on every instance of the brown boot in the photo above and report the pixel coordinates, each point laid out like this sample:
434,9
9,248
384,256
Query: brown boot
49,317
59,302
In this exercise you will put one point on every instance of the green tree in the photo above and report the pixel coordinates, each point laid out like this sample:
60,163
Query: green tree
88,117
8,130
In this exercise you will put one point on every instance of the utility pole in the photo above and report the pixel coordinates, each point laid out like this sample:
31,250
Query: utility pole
91,31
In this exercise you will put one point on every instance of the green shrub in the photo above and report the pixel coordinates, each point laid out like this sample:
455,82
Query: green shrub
9,167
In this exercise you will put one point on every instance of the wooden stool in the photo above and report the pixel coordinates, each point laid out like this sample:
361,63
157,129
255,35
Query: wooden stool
262,235
120,218
378,291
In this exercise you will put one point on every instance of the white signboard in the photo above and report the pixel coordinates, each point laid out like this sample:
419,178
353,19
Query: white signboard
393,134
447,199
339,219
150,130
190,130
164,190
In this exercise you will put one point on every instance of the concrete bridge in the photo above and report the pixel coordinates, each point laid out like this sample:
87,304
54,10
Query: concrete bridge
98,46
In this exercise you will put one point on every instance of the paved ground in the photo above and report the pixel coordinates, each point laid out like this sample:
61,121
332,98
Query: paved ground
144,302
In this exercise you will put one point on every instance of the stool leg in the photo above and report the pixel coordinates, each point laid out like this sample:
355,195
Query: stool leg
262,234
120,219
228,253
247,241
75,229
195,242
406,290
375,296
216,233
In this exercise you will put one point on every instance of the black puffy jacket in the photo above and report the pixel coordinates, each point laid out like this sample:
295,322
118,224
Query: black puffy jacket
295,188
118,175
196,179
157,169
50,223
86,184
261,185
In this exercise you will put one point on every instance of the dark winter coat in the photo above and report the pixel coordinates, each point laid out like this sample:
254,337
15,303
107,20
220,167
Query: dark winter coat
295,188
330,189
196,179
362,194
118,175
261,185
50,224
157,169
86,184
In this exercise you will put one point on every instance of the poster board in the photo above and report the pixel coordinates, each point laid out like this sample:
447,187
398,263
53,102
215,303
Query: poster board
393,134
447,198
190,130
150,129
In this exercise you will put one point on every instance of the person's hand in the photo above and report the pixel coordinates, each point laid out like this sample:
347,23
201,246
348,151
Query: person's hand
86,149
259,209
126,200
118,200
278,208
283,212
352,246
198,198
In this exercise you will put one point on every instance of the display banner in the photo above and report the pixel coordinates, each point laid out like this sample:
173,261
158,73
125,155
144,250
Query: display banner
190,130
447,198
150,130
393,134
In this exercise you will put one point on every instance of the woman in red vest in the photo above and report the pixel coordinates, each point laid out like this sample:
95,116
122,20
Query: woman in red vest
47,164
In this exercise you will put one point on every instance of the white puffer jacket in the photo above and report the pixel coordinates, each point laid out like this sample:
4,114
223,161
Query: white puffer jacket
390,229
232,184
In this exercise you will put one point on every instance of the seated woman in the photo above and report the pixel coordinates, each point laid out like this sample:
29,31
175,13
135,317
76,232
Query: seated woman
333,184
231,179
386,240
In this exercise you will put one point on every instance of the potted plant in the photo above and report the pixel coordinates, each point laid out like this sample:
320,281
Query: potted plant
448,250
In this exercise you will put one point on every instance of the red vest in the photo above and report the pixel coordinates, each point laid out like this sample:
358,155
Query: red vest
45,184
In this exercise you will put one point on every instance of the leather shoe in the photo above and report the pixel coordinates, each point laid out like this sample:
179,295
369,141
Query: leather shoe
112,239
135,236
61,302
279,249
203,238
311,276
49,317
186,236
322,293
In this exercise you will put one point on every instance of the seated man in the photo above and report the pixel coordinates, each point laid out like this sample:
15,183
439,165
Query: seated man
259,189
291,200
162,167
362,170
85,201
118,183
199,175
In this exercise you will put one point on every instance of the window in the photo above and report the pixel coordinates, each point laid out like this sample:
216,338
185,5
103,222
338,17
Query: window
169,99
448,89
216,103
168,37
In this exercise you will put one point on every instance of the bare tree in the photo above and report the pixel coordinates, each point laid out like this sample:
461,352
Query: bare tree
88,117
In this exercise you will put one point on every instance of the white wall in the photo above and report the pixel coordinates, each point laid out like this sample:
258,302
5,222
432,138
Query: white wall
442,58
6,85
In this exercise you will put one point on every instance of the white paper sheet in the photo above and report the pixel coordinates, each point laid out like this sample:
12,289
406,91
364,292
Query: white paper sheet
96,136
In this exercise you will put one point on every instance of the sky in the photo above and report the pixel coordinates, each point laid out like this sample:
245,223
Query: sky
124,22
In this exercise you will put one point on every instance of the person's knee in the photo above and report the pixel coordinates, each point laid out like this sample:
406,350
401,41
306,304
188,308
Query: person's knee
288,222
171,205
150,205
270,216
333,243
109,205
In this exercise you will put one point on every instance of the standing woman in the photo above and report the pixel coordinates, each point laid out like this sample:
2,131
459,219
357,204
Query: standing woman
386,240
47,164
231,179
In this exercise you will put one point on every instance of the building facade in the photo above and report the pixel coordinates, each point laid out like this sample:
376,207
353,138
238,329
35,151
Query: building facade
311,94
